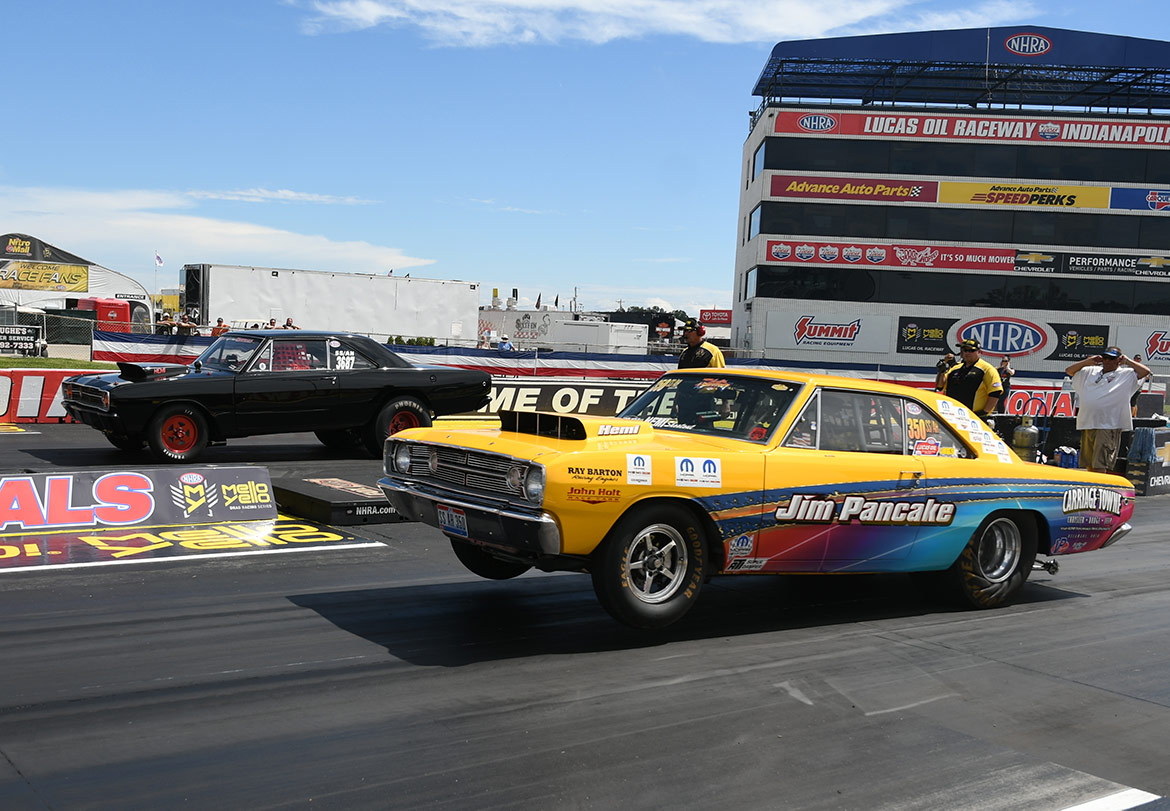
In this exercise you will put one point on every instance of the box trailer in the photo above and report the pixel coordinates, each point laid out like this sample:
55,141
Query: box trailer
375,305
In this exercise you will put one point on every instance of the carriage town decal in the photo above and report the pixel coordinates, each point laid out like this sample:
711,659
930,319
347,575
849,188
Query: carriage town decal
1028,44
1004,336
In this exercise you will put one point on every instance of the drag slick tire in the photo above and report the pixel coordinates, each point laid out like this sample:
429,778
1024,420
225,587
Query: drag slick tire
479,561
648,571
130,444
996,561
178,433
397,415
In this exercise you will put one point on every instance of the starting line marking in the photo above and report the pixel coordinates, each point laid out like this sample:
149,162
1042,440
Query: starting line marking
1130,798
186,558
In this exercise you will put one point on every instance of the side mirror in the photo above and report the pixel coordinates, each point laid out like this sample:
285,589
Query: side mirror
198,365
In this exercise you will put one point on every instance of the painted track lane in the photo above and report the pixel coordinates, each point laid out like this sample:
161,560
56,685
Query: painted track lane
389,677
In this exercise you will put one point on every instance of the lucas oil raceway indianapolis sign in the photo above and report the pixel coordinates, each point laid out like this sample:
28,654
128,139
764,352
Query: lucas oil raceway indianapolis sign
92,518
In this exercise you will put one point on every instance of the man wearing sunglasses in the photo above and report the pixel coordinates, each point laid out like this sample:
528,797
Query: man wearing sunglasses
974,382
1104,383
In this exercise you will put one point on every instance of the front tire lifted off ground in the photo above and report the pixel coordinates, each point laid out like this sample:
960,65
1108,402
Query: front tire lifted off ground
648,571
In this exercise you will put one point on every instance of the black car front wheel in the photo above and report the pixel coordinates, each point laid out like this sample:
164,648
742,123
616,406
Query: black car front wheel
397,415
648,571
178,433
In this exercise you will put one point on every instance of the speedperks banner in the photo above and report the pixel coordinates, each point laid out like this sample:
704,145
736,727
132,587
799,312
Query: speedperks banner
43,502
800,330
1023,194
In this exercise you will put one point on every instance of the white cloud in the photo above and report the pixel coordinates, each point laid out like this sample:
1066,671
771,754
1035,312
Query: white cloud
278,196
122,229
494,22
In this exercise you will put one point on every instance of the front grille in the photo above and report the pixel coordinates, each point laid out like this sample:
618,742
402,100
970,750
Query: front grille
468,471
87,396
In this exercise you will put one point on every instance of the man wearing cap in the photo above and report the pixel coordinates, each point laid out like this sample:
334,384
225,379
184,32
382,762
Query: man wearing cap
974,382
505,345
699,354
1104,383
219,329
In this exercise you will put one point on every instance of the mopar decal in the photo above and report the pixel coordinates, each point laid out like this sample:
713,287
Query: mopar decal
812,510
1082,499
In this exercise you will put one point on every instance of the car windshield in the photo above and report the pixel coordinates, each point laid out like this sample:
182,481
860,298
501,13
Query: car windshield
747,408
231,352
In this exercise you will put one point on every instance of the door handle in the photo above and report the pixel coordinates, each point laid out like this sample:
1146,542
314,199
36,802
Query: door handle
916,475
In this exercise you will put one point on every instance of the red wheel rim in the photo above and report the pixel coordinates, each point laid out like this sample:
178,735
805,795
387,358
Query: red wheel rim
403,420
179,433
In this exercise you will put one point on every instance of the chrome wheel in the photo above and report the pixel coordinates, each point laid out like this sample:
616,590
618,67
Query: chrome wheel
656,563
999,550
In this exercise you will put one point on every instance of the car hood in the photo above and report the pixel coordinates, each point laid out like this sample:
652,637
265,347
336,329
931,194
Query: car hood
537,435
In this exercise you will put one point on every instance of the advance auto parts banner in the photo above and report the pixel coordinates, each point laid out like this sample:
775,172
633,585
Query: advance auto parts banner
44,276
45,502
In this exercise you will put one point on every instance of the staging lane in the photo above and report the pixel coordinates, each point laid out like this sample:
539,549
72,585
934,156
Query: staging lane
388,676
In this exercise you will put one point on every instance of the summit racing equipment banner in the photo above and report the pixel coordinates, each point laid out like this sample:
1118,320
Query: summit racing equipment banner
855,188
987,128
42,502
1023,194
802,330
44,276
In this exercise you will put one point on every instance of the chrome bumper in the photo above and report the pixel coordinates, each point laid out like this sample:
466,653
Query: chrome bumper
498,526
1118,534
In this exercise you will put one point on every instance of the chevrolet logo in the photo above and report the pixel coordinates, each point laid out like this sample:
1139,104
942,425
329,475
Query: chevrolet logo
1163,453
1154,261
1033,258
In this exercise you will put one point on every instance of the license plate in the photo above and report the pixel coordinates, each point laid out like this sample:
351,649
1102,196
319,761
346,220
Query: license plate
452,520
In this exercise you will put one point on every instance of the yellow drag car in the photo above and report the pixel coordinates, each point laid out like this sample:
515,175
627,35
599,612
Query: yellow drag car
734,472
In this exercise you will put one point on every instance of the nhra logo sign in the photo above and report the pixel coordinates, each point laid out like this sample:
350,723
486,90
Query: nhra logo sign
817,122
1005,336
1028,44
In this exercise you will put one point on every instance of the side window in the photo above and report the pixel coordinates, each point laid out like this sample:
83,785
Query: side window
263,361
298,356
343,357
860,421
804,432
926,435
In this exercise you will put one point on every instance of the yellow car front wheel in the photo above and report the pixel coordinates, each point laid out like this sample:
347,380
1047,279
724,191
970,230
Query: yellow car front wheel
648,571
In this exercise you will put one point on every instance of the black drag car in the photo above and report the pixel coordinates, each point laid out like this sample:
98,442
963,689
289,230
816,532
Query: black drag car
348,389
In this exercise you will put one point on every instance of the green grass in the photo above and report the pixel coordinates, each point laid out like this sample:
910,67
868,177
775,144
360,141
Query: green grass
53,363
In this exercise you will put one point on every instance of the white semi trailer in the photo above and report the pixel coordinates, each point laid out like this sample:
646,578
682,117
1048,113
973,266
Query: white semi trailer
375,305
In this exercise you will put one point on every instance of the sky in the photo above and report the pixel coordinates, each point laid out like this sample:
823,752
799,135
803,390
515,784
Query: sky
585,149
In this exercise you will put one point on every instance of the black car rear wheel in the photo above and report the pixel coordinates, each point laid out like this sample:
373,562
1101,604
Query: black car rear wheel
479,561
178,433
397,415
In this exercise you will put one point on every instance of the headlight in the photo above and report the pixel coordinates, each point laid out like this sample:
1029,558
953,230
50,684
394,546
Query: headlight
515,478
534,484
402,457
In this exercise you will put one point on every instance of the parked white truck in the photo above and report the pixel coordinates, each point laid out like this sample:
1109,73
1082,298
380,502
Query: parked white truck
445,310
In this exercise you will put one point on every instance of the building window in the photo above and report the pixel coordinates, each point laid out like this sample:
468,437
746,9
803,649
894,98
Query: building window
758,160
754,222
